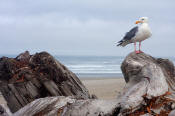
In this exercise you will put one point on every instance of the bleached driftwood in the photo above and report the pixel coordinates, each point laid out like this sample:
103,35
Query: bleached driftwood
149,90
28,77
43,106
146,78
66,106
4,109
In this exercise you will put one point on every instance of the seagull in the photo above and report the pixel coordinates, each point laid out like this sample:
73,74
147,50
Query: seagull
137,34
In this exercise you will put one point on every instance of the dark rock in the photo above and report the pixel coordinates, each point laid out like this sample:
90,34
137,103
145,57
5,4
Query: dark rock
28,77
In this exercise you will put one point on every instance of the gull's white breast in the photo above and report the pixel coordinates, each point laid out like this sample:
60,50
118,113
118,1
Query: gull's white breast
143,33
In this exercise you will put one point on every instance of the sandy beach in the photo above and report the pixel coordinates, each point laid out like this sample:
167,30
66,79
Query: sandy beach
104,88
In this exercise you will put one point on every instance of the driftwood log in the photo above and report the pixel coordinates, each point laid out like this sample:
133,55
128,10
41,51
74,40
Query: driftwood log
149,91
4,109
28,77
150,85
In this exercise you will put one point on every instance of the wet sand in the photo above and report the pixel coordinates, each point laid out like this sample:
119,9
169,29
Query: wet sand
104,88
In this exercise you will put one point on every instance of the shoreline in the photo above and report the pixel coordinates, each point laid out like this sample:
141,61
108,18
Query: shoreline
105,87
99,75
98,78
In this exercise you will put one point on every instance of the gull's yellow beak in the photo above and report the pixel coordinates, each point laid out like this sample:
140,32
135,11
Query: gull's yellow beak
137,22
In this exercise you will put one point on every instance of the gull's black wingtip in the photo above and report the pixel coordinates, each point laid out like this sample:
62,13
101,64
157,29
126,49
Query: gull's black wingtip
119,43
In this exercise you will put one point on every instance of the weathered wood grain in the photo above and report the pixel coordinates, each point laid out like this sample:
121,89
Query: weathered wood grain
28,77
149,90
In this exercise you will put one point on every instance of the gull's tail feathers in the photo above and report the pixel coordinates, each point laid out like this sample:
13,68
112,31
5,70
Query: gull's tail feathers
122,43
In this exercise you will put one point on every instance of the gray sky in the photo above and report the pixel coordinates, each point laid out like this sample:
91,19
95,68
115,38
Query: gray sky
84,27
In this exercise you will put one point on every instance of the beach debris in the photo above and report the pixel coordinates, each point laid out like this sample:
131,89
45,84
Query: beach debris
28,77
67,106
149,86
149,90
157,106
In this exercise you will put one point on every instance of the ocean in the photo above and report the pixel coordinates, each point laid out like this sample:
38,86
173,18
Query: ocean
93,66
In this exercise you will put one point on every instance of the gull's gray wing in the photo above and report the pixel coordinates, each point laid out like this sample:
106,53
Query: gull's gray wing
128,36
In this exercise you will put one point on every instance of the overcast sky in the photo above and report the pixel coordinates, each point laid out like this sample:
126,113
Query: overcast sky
84,27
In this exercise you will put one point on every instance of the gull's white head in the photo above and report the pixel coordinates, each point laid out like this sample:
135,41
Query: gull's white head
142,20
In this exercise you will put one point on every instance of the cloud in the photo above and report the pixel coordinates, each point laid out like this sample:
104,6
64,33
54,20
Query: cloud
82,27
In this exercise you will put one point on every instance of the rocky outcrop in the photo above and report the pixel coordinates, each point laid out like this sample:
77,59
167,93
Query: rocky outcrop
28,77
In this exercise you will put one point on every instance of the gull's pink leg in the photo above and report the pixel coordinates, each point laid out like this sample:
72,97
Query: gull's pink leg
140,47
135,48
